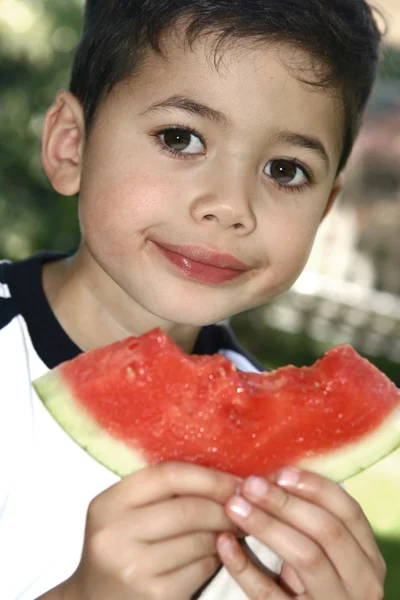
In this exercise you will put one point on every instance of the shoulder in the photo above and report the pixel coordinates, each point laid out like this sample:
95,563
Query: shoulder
20,286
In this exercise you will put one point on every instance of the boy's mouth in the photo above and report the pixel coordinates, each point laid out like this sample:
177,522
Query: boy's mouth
203,264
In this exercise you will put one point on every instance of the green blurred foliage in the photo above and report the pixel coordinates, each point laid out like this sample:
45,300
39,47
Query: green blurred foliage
36,42
390,549
391,63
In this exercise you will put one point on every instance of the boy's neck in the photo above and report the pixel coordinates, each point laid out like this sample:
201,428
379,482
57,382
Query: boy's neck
93,312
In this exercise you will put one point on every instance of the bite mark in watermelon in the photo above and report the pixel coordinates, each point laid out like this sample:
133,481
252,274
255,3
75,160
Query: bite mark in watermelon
142,401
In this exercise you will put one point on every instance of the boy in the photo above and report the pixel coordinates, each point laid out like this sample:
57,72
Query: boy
206,141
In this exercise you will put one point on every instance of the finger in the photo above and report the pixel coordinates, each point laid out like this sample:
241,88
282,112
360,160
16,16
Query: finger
174,554
317,523
169,479
179,516
185,582
338,502
306,556
253,582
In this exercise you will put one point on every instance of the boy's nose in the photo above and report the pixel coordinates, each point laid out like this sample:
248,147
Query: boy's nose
230,207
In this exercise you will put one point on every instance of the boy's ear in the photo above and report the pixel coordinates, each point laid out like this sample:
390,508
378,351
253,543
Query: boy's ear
63,143
336,190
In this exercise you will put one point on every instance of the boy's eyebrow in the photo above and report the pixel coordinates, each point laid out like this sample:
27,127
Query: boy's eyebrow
202,110
191,106
303,141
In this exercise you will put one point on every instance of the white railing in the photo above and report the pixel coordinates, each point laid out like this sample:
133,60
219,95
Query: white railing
335,311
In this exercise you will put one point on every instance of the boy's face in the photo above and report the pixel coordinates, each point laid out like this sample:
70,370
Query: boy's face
238,160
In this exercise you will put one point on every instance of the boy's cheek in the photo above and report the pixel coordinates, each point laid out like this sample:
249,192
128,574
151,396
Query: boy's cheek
122,209
288,256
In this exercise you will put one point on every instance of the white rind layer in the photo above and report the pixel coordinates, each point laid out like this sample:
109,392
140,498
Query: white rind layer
353,458
337,465
113,454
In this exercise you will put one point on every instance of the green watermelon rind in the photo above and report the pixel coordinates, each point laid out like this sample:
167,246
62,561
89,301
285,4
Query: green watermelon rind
82,428
353,458
337,465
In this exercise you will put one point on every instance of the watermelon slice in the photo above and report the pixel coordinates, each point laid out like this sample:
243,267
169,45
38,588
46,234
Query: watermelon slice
143,400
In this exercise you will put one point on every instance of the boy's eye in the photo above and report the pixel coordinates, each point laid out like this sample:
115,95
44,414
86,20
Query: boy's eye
182,141
286,173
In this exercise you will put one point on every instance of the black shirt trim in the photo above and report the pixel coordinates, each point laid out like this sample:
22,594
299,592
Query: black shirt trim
49,339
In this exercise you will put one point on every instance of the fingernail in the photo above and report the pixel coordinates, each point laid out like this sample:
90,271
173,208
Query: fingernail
292,582
288,477
298,588
226,546
256,486
240,507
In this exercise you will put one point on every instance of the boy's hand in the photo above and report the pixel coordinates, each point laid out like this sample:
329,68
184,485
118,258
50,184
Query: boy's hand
320,532
153,535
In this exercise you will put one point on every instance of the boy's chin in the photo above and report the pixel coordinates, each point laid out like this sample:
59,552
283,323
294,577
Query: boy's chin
197,310
188,312
194,318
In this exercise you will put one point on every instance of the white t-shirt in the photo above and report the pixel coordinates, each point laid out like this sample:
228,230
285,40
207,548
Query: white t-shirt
46,480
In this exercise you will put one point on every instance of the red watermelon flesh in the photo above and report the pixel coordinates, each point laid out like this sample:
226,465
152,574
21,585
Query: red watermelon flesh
143,400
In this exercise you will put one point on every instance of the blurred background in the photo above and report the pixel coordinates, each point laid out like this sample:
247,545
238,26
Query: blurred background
350,289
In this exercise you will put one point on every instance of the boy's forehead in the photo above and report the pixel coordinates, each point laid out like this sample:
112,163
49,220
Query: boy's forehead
222,55
258,71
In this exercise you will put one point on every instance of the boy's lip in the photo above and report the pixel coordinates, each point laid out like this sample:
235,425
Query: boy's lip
206,256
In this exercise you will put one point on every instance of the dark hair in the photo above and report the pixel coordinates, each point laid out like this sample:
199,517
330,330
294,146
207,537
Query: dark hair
340,36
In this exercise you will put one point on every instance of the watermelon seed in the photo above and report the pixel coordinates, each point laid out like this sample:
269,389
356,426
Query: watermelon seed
131,373
222,372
